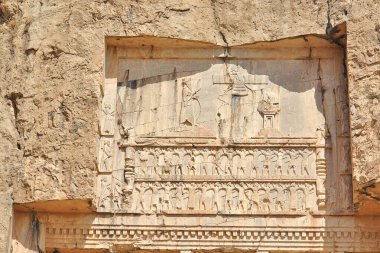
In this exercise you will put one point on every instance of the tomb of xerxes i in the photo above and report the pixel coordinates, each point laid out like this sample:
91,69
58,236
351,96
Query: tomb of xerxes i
234,138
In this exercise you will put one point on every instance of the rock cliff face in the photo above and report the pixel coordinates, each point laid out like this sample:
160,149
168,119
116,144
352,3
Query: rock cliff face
51,68
363,72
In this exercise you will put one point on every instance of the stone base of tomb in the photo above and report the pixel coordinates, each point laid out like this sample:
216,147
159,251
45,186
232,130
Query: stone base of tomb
72,226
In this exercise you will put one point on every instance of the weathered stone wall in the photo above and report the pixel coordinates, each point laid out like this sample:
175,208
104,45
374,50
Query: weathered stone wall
51,68
54,67
363,58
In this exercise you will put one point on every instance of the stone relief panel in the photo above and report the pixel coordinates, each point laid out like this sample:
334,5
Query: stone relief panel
230,197
223,163
224,101
223,135
190,180
108,108
106,155
106,147
224,198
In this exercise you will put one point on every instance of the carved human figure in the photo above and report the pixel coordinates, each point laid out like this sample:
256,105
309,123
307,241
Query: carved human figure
238,81
138,198
168,165
275,203
118,194
185,164
208,200
223,165
199,164
143,159
248,200
236,164
160,201
305,163
160,164
190,105
261,161
166,199
191,166
151,162
197,198
286,163
179,197
250,169
176,165
301,199
286,199
108,118
221,200
185,198
106,162
321,134
266,166
147,201
292,169
233,201
263,200
277,161
173,198
210,164
241,170
105,193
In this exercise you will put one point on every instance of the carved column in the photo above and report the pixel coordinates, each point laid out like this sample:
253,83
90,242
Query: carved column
321,178
343,147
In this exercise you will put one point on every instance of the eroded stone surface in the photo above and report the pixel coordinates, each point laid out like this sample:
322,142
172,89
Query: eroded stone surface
51,70
216,131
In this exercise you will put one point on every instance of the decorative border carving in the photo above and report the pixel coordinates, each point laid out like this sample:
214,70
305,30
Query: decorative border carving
177,238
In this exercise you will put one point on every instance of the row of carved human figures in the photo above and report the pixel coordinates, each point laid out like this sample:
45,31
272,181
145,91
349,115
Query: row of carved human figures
262,163
223,199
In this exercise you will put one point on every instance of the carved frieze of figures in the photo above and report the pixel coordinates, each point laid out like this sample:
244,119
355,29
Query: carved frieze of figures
217,179
223,162
228,198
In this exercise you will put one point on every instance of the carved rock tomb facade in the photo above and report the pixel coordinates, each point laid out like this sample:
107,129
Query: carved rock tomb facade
204,147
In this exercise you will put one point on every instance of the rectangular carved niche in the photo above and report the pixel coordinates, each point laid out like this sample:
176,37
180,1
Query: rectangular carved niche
195,128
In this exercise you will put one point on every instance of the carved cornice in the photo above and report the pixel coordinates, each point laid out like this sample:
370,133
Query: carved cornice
213,142
226,178
211,238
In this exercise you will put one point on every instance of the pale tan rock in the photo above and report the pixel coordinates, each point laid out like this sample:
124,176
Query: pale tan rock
52,69
363,75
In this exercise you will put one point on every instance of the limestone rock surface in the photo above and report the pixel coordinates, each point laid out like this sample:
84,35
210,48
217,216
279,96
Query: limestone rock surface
51,68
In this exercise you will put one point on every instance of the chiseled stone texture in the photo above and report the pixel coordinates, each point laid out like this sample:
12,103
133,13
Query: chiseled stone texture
54,65
52,55
363,57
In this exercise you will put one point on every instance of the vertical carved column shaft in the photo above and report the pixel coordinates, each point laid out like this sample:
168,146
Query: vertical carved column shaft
343,147
321,178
